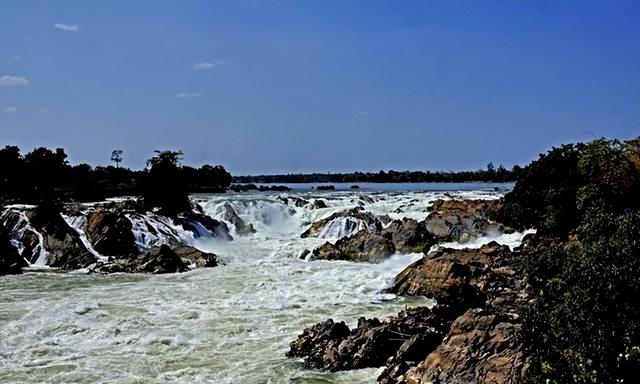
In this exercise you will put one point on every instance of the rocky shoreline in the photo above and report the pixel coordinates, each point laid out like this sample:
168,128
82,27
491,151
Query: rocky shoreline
471,332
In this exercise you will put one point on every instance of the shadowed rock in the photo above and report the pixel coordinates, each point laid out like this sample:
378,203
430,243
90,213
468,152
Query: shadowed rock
62,242
10,261
409,236
110,233
231,216
354,219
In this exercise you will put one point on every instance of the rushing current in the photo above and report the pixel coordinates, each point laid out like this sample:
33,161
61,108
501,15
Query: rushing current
228,324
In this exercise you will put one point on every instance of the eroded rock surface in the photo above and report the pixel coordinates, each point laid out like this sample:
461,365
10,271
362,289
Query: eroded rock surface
461,220
350,221
364,246
110,233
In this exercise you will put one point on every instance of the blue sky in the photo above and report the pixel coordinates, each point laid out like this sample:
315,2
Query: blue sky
298,86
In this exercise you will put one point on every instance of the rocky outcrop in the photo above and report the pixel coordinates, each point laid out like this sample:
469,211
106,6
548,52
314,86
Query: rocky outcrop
350,221
63,244
202,225
410,335
461,220
409,236
471,335
161,259
363,247
10,261
481,347
231,216
489,276
110,233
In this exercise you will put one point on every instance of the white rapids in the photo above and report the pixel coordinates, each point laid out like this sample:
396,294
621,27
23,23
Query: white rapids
229,324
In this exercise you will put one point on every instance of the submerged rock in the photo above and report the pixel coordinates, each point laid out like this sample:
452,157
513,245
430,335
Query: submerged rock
461,220
63,244
110,233
349,221
363,246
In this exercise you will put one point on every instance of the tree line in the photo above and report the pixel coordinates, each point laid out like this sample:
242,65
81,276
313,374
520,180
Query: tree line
45,176
491,174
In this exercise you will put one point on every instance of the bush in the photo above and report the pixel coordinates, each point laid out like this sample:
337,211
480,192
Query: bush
583,324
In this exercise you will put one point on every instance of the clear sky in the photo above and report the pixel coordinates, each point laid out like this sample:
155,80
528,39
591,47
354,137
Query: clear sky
298,86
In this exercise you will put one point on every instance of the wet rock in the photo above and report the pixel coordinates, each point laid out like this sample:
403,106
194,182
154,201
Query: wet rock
203,225
333,346
318,204
461,220
62,242
110,233
11,262
363,247
352,220
231,216
409,236
19,229
481,347
195,256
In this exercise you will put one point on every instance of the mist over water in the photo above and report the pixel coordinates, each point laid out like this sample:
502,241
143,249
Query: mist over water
228,324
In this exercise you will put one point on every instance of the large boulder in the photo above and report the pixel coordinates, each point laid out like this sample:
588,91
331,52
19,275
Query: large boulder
231,216
344,223
409,236
10,261
110,233
318,204
481,347
461,220
333,346
63,244
363,247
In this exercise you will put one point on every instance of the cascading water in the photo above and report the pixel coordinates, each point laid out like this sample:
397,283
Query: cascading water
227,324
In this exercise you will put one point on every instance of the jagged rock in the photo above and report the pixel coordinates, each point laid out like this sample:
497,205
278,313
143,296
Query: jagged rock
193,255
161,259
461,220
318,204
409,236
481,347
195,222
110,233
18,228
332,346
363,246
231,216
354,219
10,261
62,242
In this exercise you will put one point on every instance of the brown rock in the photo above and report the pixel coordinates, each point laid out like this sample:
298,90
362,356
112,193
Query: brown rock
363,247
110,233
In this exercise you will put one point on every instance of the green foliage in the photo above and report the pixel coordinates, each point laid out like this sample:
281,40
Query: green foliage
583,325
164,185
